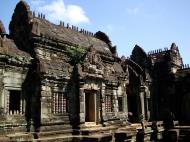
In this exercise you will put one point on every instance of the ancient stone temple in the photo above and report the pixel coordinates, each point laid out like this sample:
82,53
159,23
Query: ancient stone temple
68,82
169,86
138,88
14,68
57,75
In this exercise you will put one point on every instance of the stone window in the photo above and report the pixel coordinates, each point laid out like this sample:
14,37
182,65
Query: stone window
120,104
60,103
108,103
14,102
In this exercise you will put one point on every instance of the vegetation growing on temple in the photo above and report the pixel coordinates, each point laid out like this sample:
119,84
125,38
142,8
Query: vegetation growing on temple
76,55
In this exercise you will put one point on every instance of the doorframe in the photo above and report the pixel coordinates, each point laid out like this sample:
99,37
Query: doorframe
95,93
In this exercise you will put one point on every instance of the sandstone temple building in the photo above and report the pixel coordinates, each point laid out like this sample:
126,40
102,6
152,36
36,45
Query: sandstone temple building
62,79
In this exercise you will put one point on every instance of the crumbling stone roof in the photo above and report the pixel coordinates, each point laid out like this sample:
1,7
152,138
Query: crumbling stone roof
9,49
160,55
115,72
55,68
67,34
117,68
134,66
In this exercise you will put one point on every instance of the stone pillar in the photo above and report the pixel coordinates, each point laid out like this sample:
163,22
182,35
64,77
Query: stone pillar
102,96
125,101
125,105
147,96
4,101
45,103
142,104
1,89
44,108
82,104
97,109
115,102
24,106
21,106
7,102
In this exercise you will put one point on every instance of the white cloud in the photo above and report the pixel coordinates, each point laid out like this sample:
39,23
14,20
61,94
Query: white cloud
133,11
37,2
57,11
76,14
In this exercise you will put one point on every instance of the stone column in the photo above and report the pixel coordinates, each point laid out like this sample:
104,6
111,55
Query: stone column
102,96
7,101
97,109
147,96
45,103
1,89
142,101
21,105
82,105
24,106
125,105
125,101
4,101
115,102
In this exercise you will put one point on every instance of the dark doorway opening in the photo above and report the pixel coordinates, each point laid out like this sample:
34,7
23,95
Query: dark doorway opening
14,102
90,108
133,108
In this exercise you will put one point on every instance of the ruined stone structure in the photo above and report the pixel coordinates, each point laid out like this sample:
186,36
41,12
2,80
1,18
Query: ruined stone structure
169,86
57,77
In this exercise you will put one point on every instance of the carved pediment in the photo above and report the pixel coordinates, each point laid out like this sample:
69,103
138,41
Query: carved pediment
93,63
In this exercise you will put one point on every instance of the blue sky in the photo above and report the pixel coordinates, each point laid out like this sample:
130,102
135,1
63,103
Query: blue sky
152,24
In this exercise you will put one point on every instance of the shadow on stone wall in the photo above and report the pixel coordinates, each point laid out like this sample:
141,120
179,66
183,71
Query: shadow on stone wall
31,92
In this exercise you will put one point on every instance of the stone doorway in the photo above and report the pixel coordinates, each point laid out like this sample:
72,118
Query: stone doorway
133,108
90,106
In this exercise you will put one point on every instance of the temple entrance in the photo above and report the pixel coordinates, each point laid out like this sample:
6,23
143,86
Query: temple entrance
90,107
133,108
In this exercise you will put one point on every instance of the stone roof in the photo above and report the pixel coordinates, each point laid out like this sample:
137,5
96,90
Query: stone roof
55,67
117,68
67,34
10,50
115,72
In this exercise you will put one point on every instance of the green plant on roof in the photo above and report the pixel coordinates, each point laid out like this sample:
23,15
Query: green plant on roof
76,55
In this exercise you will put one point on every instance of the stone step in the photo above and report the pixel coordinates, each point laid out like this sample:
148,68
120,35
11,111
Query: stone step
4,139
128,140
124,135
91,125
115,122
46,128
92,138
99,130
67,132
20,137
66,138
41,135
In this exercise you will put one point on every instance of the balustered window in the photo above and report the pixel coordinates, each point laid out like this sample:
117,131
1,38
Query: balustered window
108,103
60,103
